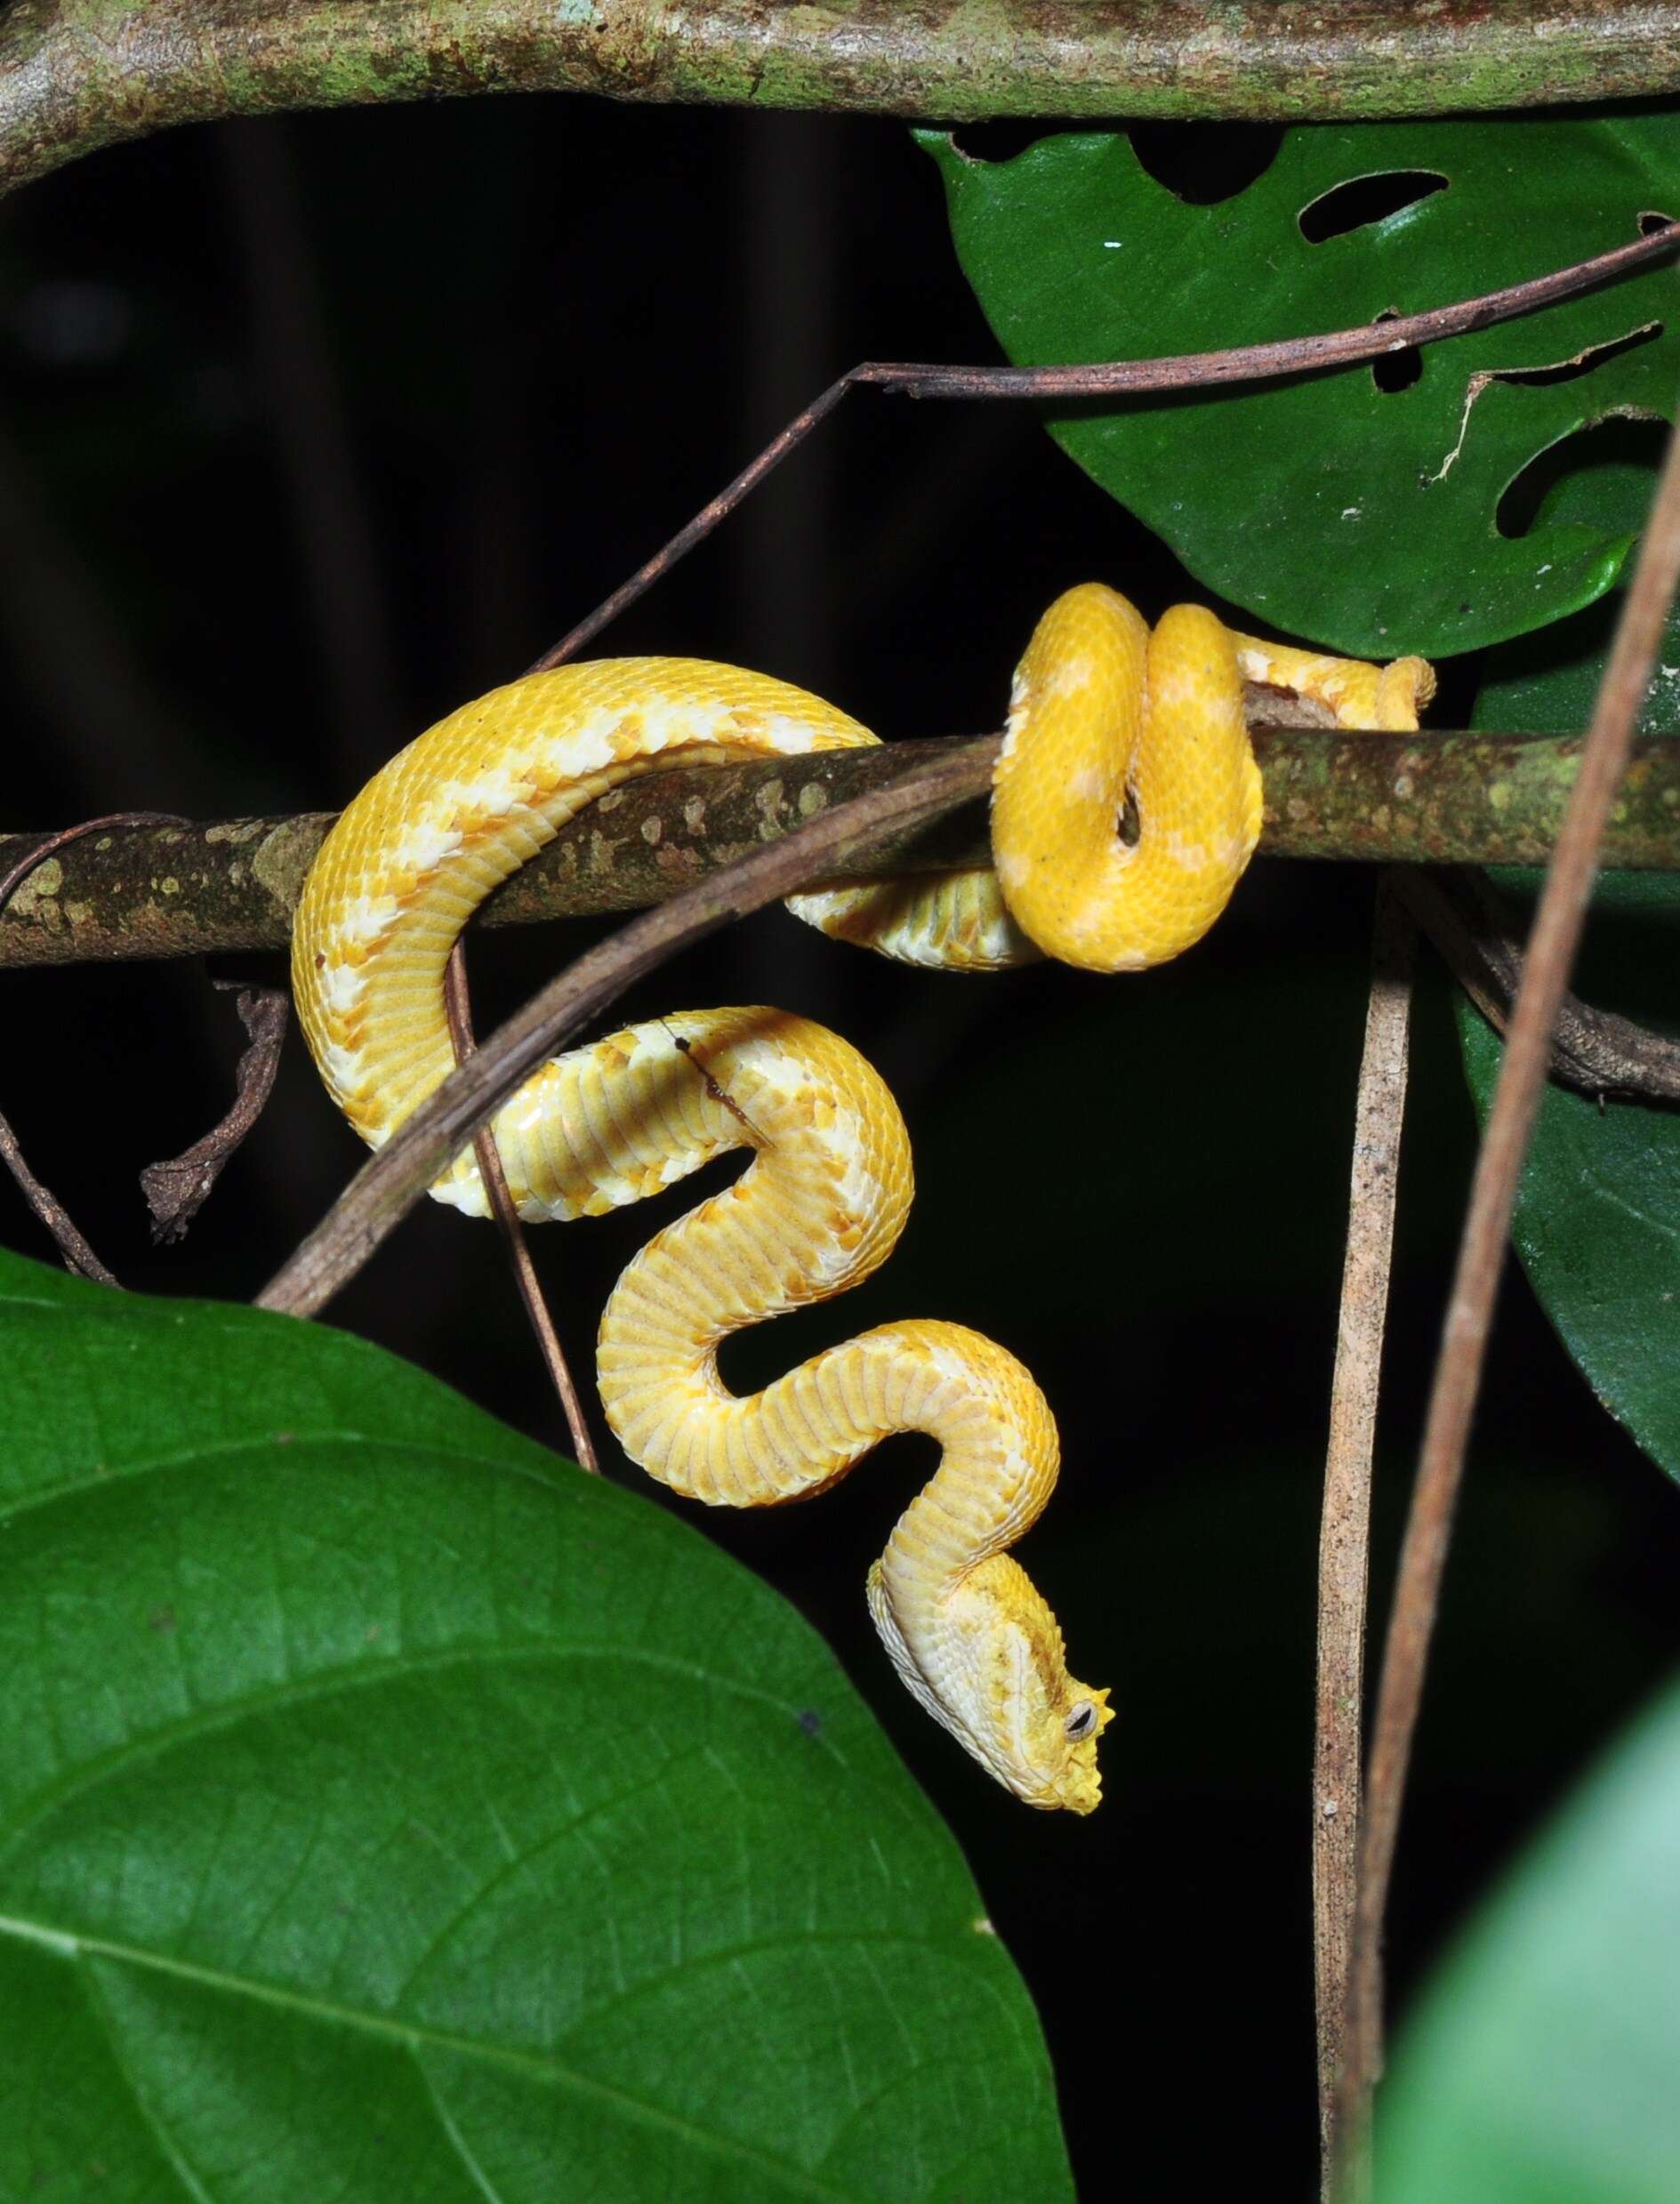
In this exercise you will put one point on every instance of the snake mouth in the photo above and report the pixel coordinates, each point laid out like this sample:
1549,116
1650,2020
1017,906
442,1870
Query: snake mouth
1072,1789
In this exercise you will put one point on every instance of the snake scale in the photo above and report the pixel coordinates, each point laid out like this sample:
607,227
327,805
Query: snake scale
1103,709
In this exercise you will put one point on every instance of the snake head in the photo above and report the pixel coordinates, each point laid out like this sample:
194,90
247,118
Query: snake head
1050,1725
993,1672
1041,1723
1078,1786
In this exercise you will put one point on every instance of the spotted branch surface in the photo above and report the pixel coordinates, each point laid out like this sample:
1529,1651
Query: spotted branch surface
75,75
175,890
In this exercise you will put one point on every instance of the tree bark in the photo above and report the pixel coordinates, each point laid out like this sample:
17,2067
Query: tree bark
79,74
188,890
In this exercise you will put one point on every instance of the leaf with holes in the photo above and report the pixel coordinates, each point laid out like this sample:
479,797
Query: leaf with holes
1597,1219
388,1811
1540,2070
1407,507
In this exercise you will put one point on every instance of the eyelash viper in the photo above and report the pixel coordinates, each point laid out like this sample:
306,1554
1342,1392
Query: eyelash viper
1102,709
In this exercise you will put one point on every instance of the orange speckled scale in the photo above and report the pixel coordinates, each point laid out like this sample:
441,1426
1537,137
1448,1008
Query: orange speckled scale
1101,709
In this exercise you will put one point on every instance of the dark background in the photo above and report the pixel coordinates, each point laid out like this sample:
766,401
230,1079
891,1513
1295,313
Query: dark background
309,429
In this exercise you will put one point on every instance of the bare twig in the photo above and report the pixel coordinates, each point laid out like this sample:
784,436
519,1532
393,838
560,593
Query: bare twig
176,1191
15,869
78,1255
458,1004
1596,1052
1551,949
387,1186
1344,1545
1185,371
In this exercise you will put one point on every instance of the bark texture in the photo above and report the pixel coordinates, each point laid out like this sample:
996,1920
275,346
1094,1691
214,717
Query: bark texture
232,884
79,74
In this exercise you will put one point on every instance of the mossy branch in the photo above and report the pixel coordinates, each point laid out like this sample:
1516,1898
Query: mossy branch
185,890
75,75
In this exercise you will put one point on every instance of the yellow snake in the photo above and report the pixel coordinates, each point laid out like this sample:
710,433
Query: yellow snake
1102,709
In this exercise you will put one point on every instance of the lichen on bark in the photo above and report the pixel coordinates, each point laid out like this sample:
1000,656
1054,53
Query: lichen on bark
232,885
75,75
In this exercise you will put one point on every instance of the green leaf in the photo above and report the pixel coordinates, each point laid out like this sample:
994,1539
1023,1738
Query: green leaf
1598,1217
1597,1225
389,1811
1541,2069
1363,517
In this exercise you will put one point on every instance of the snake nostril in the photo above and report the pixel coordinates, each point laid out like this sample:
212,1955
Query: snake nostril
1128,825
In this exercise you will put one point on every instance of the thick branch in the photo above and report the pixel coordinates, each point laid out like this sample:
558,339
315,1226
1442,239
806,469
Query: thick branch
79,74
187,890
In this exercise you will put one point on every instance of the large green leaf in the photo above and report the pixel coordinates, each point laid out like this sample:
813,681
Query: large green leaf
389,1812
1542,2068
1365,518
1597,1219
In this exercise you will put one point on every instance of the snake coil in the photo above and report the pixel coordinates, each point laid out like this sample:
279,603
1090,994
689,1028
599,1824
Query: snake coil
1102,711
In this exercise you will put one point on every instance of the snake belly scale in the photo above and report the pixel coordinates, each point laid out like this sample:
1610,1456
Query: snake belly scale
1101,709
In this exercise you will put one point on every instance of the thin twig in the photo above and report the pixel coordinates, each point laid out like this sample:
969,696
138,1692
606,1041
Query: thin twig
1344,1545
72,1245
1551,949
1184,370
384,1189
1596,1052
78,1255
175,1191
458,1004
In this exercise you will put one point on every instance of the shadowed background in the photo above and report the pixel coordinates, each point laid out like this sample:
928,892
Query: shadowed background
309,429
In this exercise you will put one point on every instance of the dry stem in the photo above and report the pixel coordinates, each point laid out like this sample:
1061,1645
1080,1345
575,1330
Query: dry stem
458,1005
176,1190
1185,371
78,1256
15,868
1596,1052
1344,1546
1551,951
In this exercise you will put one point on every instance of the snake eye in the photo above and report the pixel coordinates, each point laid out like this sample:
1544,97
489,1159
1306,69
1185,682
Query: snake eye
1080,1723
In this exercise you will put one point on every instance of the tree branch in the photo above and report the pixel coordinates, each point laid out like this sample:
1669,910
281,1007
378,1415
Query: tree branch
75,75
180,889
385,1189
